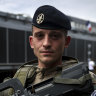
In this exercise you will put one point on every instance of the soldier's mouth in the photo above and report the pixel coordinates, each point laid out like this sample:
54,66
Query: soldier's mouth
47,52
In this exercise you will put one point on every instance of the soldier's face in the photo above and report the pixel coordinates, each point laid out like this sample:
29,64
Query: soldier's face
48,45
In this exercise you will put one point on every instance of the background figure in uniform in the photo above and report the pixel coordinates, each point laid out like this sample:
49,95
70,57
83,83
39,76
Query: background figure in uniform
91,65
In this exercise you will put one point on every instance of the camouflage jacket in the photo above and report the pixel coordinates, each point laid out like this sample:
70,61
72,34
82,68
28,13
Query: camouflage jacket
29,73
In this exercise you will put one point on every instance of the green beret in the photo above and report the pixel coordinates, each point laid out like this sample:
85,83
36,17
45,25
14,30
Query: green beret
48,17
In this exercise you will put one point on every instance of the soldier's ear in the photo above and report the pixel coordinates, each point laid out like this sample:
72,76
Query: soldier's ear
67,41
31,41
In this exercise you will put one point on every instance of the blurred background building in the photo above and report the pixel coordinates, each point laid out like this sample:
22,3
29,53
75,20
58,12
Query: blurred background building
14,41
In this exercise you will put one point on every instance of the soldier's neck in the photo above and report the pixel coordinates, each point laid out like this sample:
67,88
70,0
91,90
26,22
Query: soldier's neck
43,65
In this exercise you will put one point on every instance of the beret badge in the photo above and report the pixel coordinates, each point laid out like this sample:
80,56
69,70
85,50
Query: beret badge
40,18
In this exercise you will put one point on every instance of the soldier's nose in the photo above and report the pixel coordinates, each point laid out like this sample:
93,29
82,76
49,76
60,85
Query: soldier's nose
47,42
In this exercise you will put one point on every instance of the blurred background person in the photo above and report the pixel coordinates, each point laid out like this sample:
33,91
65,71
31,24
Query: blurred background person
91,65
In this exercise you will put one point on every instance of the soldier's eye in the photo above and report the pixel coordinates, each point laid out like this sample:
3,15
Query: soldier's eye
55,36
39,35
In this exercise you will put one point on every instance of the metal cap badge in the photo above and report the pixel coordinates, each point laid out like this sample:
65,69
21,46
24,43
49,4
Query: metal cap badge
40,18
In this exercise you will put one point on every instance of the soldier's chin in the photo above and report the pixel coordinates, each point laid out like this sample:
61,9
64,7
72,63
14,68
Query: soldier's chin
48,61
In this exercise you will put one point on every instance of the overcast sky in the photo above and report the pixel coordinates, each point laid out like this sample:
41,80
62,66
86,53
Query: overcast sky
84,9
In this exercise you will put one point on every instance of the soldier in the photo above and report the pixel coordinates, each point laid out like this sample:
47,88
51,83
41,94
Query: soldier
48,41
